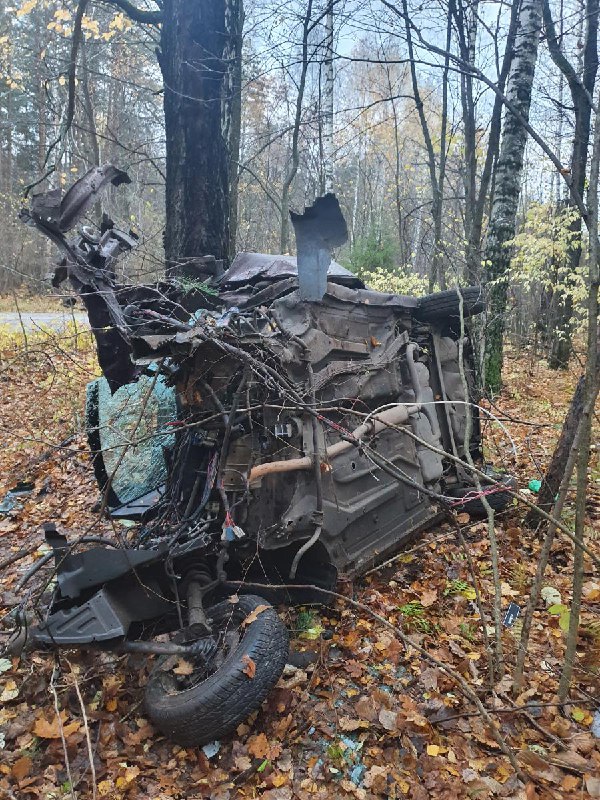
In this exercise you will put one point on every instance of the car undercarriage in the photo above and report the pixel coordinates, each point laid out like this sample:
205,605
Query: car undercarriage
274,423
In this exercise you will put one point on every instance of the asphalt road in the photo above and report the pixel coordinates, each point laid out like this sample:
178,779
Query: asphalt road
34,320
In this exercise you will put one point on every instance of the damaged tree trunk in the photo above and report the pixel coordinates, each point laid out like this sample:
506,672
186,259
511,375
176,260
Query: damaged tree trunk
199,42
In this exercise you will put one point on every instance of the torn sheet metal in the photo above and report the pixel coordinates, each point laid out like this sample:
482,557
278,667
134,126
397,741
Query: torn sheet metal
275,378
321,228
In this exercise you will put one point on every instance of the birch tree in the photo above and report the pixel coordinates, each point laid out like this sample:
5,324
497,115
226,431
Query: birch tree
507,189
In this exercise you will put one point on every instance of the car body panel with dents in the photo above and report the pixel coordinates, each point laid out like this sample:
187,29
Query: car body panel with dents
277,422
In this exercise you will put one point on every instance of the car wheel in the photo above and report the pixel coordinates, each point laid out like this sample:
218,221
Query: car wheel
497,498
195,700
443,305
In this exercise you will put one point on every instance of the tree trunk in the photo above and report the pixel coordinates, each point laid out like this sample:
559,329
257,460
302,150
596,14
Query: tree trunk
234,135
556,468
475,202
327,115
592,384
436,176
197,40
582,90
508,184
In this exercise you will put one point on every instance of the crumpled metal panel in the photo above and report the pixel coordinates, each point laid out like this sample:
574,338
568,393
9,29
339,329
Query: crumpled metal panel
321,228
251,267
59,213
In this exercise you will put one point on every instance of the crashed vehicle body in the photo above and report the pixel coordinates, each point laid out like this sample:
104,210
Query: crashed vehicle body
286,426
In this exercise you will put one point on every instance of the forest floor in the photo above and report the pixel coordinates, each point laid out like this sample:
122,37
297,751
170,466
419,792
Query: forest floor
368,719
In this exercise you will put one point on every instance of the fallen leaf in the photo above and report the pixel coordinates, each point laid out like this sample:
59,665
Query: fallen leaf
376,779
282,793
592,785
429,678
389,719
253,615
433,750
463,518
21,768
354,668
570,783
9,692
51,730
569,759
242,763
539,766
185,668
366,709
111,704
105,788
428,597
258,745
250,668
348,724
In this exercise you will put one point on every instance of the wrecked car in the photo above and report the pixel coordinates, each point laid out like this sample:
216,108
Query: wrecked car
274,423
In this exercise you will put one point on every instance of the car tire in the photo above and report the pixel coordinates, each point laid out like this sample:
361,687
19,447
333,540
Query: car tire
499,499
196,713
444,305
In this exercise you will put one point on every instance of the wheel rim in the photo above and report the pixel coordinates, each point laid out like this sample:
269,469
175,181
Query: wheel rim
176,674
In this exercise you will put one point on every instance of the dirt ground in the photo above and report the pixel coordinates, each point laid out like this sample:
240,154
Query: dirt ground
369,718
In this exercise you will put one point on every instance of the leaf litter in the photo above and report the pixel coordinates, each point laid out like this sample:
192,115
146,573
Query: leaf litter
369,717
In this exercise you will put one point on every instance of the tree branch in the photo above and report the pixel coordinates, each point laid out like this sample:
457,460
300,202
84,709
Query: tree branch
135,13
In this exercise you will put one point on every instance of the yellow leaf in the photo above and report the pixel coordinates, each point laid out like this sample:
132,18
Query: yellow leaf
105,788
578,714
183,667
253,615
9,692
26,7
433,750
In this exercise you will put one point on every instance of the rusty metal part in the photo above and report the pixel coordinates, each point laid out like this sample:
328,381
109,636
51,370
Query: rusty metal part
378,422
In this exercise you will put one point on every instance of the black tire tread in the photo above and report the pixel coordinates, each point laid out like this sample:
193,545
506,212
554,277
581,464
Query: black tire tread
217,706
498,501
441,305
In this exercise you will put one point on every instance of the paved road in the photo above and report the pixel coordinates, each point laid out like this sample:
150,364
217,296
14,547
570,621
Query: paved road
33,320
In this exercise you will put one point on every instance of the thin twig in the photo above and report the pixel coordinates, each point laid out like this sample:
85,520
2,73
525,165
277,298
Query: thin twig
55,671
86,729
